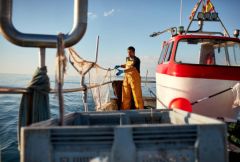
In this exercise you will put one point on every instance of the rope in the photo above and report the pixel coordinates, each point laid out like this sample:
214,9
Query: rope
17,90
110,77
213,95
61,62
9,90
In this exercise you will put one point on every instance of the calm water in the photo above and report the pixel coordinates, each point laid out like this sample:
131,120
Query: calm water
9,105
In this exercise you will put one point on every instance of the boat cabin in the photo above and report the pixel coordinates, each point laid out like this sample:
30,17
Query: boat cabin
197,71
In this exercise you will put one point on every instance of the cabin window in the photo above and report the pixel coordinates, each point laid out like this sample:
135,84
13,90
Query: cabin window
187,53
208,52
169,51
220,56
234,54
164,49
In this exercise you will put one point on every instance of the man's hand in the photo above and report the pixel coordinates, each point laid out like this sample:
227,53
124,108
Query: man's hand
117,66
119,72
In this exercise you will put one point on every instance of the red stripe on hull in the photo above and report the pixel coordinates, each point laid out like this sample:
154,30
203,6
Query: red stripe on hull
199,71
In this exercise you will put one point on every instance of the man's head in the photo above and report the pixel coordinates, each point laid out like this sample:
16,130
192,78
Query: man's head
131,51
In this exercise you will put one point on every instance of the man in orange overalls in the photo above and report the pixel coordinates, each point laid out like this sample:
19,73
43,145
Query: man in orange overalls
132,81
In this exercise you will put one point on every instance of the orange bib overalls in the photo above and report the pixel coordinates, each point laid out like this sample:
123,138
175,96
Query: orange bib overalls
131,85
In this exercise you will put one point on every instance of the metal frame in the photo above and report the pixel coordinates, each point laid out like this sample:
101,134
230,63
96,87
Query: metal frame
40,40
200,29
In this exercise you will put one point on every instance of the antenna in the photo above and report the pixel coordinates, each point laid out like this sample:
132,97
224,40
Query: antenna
181,13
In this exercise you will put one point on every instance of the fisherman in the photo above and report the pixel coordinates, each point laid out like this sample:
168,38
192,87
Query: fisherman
132,81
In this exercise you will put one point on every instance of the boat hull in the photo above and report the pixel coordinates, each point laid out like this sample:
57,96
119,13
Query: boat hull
193,89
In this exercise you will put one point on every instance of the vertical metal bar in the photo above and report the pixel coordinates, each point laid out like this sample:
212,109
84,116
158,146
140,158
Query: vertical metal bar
120,119
97,46
227,54
224,27
60,55
181,13
42,58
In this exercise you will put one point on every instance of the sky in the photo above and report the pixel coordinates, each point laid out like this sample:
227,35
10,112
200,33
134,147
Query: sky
119,23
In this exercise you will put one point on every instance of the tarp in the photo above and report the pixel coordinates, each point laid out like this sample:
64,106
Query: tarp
34,105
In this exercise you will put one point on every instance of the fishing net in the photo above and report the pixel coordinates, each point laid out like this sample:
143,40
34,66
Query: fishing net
96,77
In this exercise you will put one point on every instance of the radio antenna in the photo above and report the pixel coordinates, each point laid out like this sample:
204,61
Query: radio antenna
181,13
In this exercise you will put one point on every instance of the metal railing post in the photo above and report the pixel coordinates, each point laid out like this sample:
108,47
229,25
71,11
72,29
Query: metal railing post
42,57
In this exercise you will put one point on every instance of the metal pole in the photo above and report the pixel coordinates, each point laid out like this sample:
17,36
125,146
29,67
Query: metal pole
42,54
226,32
181,13
97,45
224,28
60,53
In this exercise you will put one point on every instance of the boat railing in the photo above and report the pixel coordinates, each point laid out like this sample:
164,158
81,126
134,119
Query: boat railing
20,90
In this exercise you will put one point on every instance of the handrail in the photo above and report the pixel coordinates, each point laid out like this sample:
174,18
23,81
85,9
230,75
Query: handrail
12,90
207,32
40,40
17,90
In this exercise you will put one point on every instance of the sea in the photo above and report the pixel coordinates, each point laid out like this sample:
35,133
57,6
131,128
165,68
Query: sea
9,108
